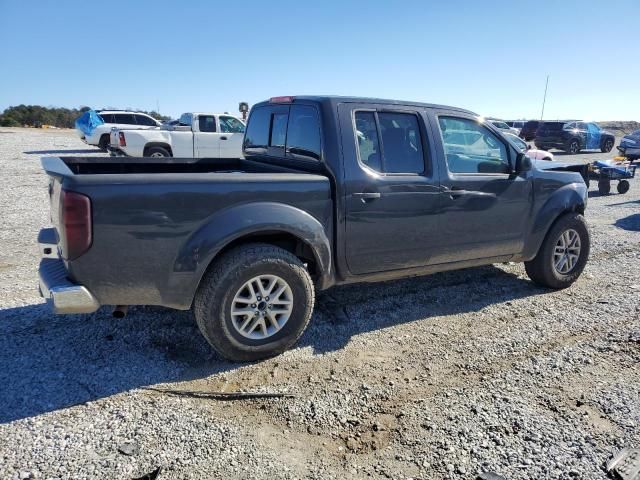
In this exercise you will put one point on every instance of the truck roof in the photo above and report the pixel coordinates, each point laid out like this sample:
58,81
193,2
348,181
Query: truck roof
336,99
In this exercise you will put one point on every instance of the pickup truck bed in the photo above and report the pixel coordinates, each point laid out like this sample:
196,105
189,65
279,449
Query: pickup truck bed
169,215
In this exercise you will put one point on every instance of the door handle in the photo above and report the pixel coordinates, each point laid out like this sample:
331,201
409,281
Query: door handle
367,196
223,138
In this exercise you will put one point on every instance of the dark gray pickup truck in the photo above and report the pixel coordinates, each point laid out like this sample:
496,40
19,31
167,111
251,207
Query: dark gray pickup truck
331,190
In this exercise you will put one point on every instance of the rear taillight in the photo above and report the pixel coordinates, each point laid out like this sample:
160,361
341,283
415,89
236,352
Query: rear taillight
76,221
121,139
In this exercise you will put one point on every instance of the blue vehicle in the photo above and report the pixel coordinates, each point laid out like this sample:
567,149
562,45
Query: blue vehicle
630,146
573,136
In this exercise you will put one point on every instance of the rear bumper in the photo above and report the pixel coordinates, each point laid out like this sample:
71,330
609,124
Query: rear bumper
62,294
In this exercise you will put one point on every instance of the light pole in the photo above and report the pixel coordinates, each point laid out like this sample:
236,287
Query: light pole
544,99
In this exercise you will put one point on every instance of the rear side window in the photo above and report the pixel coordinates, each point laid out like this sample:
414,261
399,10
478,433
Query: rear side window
291,131
397,148
207,123
125,118
146,121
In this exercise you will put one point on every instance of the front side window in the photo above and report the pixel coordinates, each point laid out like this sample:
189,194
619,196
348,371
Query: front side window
107,117
146,121
231,125
470,147
207,123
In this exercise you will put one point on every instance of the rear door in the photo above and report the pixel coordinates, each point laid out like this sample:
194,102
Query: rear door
232,133
206,137
392,192
485,206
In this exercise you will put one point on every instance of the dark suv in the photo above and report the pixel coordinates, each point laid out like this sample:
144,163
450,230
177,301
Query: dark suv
573,136
528,130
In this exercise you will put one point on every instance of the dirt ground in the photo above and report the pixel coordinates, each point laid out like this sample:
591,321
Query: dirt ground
445,376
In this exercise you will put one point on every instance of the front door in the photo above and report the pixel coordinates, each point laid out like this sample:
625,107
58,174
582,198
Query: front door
206,139
232,131
391,191
485,205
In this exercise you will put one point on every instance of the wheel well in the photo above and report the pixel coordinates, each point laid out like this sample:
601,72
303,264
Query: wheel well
156,144
284,240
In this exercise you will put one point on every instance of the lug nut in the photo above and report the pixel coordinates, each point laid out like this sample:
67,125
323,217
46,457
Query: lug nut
266,298
259,297
253,305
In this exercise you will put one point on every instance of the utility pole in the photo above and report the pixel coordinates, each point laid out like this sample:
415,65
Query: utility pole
544,99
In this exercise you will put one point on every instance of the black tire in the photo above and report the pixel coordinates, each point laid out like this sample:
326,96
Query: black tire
104,142
604,187
542,269
573,147
607,146
225,279
623,186
158,152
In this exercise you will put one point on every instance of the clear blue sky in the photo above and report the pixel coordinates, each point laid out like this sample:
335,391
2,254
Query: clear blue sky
489,56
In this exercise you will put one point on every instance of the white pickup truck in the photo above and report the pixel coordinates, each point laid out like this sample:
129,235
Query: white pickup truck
197,135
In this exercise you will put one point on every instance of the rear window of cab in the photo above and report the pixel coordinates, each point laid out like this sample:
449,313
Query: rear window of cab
291,131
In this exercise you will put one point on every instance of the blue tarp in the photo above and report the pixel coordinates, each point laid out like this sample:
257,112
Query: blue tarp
88,121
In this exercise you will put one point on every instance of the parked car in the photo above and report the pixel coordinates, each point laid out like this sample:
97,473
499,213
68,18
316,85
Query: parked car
573,136
516,125
528,130
198,135
502,126
630,145
326,188
99,136
522,146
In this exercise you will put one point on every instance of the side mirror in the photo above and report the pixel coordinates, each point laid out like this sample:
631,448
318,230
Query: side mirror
528,147
523,163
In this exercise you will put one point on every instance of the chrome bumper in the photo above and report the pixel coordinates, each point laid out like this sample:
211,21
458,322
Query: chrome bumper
61,293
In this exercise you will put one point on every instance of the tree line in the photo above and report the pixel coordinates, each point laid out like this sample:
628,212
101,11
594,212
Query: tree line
36,116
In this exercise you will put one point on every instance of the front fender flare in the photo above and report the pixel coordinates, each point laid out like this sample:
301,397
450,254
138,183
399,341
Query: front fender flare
568,198
239,221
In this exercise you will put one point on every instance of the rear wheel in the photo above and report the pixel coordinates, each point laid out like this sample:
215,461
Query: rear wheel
607,145
254,303
563,254
623,186
156,152
104,142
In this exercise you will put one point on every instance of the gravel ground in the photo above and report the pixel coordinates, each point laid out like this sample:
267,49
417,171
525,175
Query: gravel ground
444,376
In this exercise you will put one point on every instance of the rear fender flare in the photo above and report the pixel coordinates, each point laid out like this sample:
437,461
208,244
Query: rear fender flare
236,222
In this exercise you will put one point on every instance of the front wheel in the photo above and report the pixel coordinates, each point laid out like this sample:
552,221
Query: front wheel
563,254
573,147
254,303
